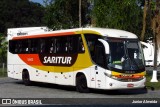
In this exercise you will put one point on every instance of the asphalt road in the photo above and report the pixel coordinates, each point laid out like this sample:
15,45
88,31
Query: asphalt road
59,95
10,88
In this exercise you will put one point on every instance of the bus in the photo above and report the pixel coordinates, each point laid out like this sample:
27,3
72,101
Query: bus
148,50
99,58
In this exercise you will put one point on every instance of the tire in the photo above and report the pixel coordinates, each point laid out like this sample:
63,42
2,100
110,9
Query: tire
81,84
26,78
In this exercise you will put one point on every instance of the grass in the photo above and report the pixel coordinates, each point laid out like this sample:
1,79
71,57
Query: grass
156,85
3,73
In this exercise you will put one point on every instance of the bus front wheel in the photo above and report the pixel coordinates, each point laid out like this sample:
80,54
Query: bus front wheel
26,78
81,84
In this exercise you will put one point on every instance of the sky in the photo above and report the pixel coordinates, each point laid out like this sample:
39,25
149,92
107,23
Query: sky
38,1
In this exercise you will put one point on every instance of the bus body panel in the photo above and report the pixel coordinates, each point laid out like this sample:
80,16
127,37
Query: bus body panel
66,75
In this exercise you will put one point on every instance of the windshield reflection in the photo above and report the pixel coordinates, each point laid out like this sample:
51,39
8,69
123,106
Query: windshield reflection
125,55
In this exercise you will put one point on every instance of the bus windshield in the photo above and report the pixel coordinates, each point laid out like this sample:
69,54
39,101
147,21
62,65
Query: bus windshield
125,55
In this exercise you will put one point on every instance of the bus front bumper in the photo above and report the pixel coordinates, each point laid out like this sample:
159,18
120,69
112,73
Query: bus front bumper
115,84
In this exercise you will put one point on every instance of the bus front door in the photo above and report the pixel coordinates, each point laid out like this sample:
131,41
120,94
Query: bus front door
97,77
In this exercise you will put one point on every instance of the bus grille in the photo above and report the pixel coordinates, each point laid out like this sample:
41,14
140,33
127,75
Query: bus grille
130,79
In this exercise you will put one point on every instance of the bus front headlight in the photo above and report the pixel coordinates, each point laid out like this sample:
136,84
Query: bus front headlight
108,75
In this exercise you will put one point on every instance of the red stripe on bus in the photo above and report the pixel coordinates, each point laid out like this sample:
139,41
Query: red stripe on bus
30,59
44,35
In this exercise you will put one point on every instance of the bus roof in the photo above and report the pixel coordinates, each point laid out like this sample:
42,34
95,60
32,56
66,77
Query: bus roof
28,32
115,33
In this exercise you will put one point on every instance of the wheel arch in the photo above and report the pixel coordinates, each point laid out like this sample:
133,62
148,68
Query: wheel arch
86,76
25,70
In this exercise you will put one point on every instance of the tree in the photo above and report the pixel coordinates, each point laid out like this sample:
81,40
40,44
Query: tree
148,17
17,13
65,14
20,13
144,20
80,16
156,31
3,49
119,14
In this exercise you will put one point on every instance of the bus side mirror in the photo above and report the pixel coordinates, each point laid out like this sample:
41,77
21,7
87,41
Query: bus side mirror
106,45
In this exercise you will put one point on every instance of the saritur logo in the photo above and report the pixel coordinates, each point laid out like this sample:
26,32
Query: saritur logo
58,59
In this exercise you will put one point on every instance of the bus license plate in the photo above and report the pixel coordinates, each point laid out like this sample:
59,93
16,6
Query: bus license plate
130,85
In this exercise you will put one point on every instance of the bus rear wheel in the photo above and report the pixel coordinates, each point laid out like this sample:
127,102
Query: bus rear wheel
26,78
81,84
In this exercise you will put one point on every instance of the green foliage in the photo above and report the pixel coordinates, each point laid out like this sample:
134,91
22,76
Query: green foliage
58,14
119,14
65,13
3,72
156,85
3,49
20,13
151,7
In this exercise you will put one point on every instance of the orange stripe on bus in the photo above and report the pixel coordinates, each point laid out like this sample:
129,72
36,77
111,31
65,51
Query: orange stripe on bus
129,76
30,59
43,35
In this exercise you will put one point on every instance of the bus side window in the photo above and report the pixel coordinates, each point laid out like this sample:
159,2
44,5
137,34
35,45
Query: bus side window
52,45
70,44
91,46
64,45
58,45
80,45
12,46
42,46
100,55
48,43
75,44
24,46
91,40
33,46
18,47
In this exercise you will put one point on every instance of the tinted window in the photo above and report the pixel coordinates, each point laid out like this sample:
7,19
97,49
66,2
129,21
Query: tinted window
62,44
92,40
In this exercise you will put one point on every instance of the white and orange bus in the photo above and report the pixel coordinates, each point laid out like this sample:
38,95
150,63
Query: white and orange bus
97,58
